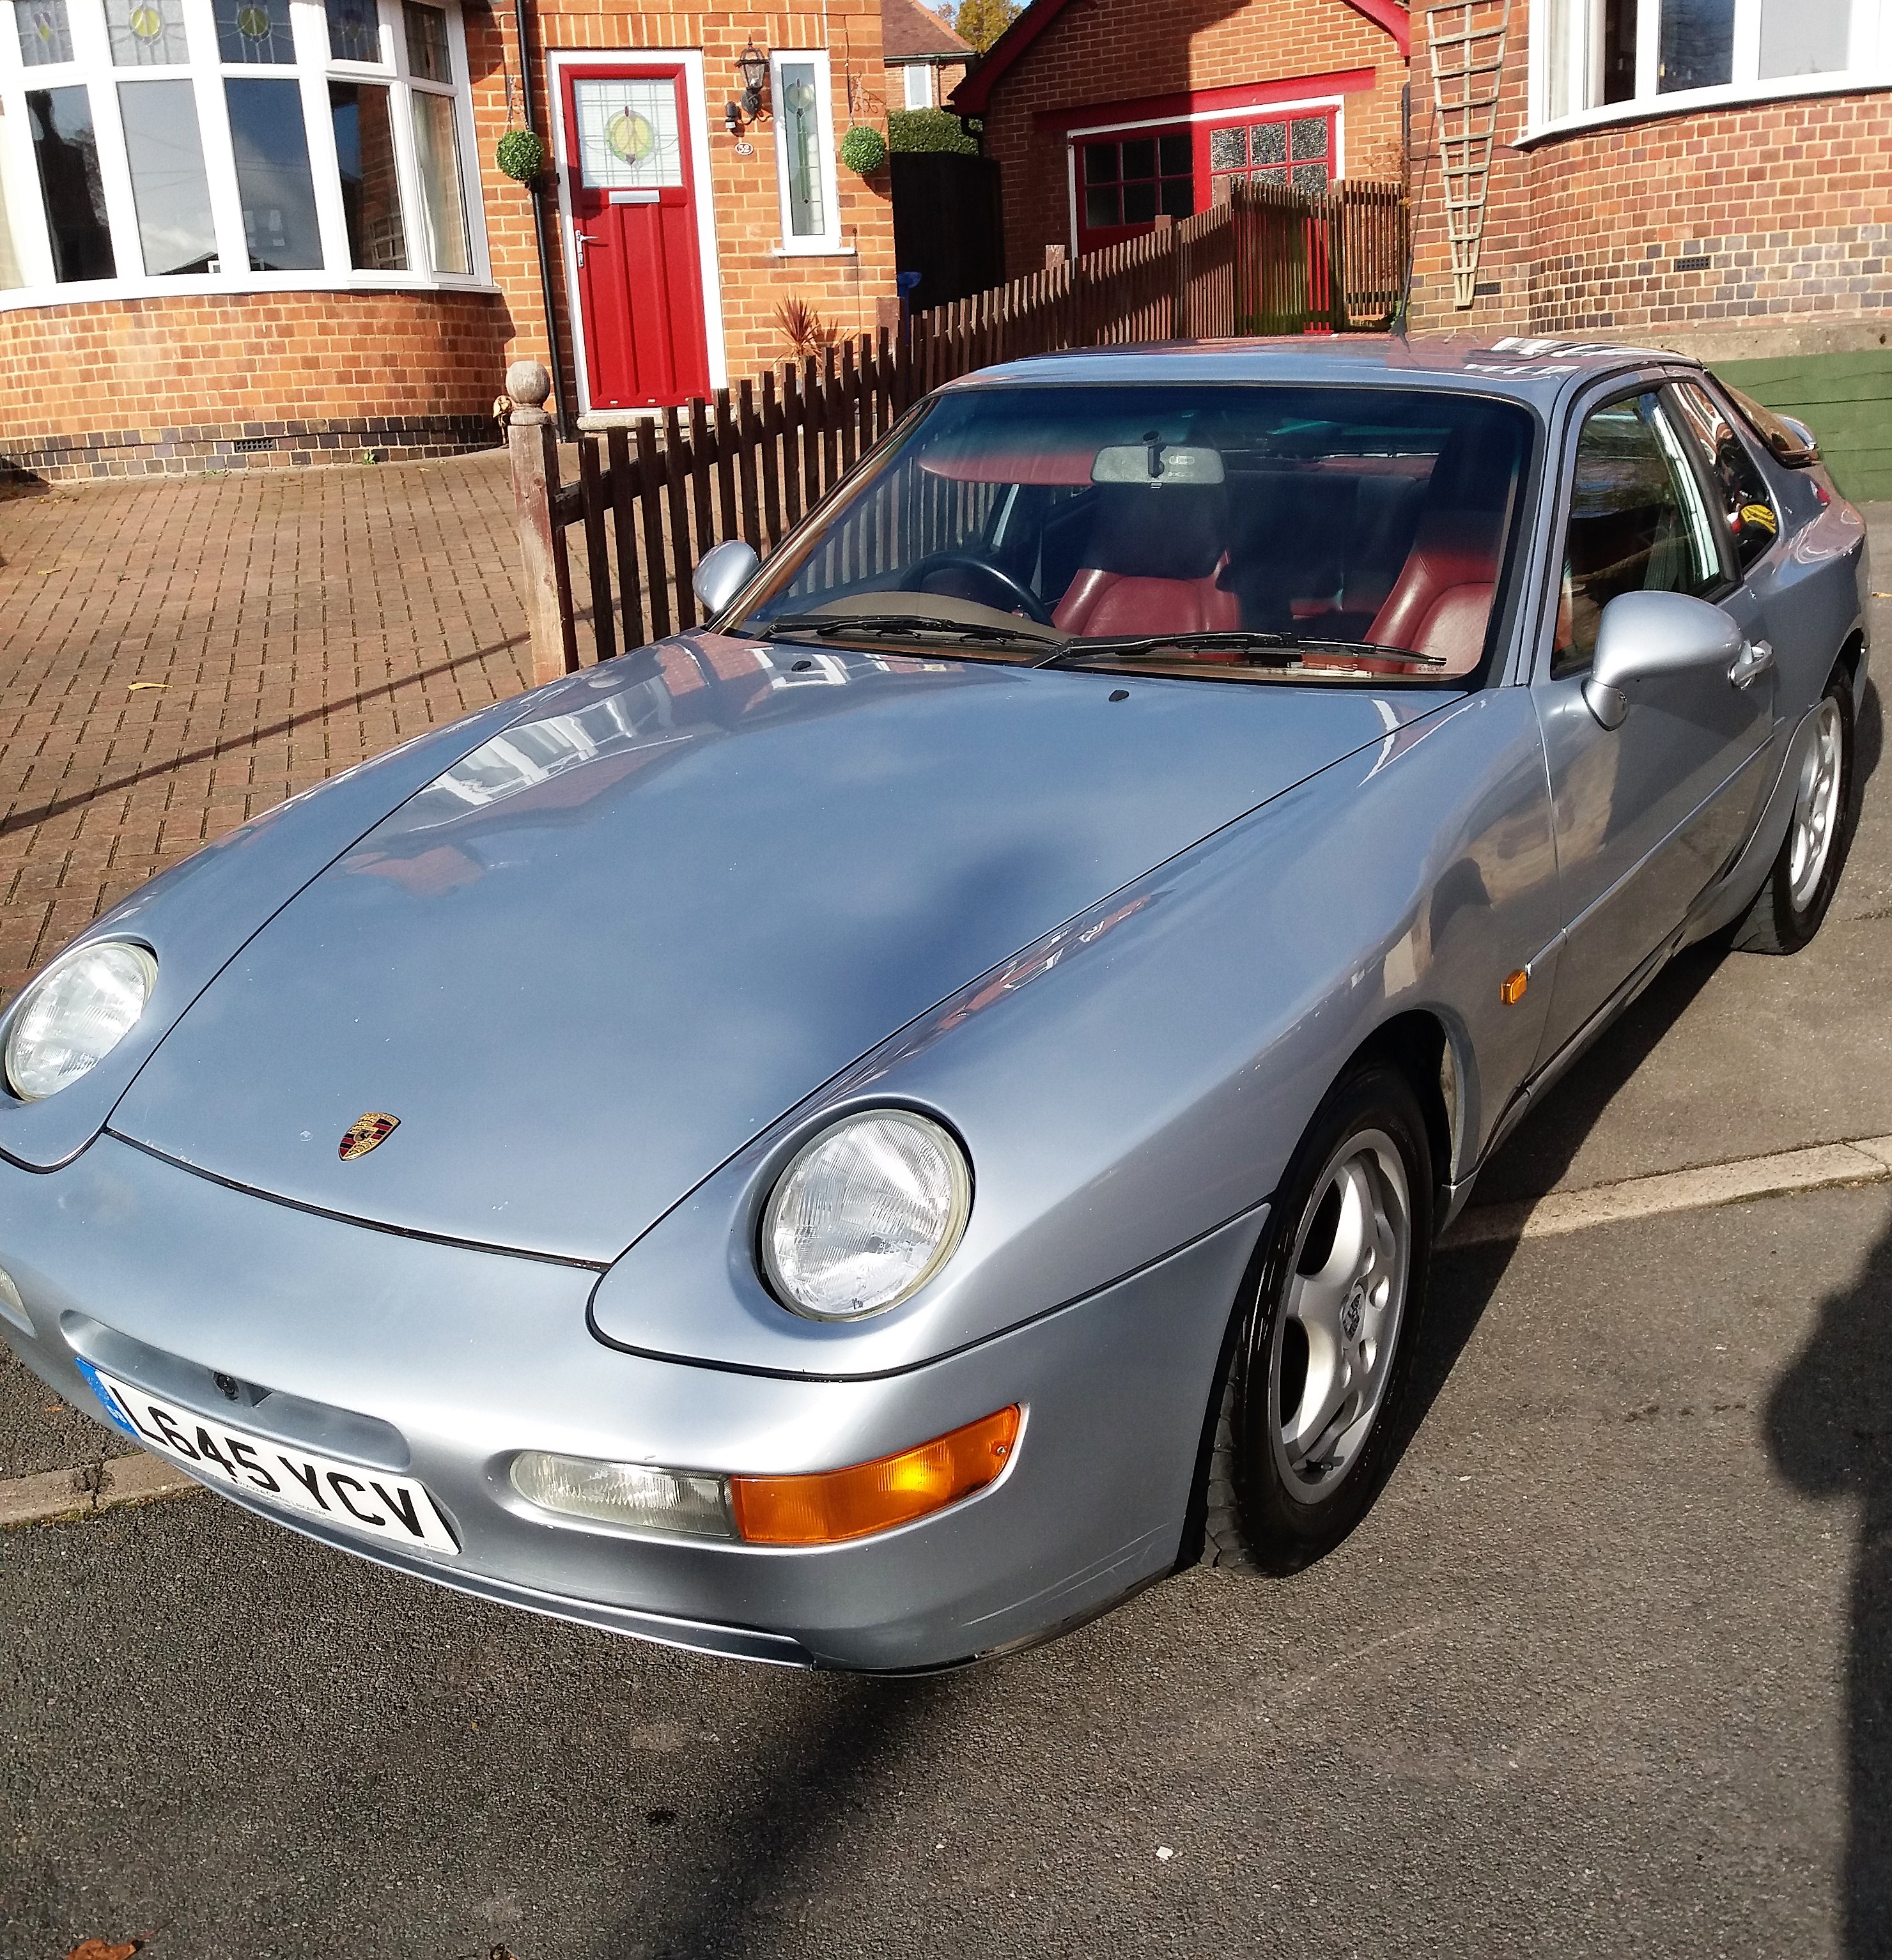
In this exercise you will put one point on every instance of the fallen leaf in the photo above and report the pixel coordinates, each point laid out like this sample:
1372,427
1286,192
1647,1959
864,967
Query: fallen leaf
137,684
97,1949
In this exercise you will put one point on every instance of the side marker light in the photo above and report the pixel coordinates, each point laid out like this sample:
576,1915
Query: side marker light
1512,991
831,1506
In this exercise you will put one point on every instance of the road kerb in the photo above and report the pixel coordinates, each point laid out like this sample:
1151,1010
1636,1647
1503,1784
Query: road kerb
89,1488
1867,1160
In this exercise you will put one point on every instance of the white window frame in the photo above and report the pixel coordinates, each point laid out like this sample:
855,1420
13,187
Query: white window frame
1869,48
311,71
828,241
916,72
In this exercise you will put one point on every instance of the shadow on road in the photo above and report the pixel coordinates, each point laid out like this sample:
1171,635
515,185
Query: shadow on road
1829,1424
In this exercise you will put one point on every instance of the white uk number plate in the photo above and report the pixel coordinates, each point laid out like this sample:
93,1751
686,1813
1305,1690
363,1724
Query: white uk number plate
396,1510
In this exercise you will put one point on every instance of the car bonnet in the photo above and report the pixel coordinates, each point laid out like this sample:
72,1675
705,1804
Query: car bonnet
586,964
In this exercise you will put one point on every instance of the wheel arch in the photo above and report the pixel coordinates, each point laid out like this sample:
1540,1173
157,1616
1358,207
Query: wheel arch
1419,1045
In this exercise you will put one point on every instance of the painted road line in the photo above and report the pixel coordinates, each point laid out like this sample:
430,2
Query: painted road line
92,1487
1867,1160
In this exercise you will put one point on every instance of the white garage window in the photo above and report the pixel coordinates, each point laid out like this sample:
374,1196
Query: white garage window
918,79
153,146
1594,61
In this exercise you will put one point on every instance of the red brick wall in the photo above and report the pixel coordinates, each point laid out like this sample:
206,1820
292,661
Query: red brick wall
1099,51
134,386
1791,202
843,290
123,387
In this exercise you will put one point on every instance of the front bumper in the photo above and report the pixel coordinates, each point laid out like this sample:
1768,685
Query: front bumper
442,1362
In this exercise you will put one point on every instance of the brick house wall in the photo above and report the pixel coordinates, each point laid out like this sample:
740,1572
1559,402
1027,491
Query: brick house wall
1097,55
1788,202
235,379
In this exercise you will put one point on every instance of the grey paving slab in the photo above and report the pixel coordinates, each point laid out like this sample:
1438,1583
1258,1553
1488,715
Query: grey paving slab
1607,1671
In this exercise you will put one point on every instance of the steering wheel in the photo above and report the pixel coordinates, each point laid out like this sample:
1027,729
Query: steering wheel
1019,595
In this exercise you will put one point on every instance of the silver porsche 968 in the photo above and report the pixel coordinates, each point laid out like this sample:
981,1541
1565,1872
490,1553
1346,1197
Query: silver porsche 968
862,1134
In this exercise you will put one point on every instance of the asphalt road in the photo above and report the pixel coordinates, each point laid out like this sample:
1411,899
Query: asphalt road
1608,1668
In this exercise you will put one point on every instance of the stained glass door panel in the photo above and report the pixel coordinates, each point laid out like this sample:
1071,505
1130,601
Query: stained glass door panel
637,275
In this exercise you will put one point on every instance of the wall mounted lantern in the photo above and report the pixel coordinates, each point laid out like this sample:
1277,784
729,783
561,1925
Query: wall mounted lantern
753,65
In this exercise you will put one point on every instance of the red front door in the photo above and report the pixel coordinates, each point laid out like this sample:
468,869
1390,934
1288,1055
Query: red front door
638,279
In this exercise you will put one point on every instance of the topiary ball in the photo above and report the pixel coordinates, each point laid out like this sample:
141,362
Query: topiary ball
863,149
520,154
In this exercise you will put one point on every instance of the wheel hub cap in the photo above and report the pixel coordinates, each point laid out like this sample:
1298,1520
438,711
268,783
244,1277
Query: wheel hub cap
1816,816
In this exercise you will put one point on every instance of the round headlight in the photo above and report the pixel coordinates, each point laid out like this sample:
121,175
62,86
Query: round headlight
865,1215
74,1014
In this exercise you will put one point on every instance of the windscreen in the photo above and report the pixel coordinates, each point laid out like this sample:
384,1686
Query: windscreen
1292,529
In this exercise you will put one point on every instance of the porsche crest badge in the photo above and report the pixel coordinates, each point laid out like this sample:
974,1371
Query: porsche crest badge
362,1135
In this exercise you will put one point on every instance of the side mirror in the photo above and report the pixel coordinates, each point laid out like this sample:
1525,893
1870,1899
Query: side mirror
724,571
1643,635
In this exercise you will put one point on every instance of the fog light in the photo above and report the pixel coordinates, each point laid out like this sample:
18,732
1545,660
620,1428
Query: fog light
625,1493
833,1506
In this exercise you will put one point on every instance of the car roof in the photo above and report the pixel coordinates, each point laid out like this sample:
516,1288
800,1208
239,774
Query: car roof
1532,369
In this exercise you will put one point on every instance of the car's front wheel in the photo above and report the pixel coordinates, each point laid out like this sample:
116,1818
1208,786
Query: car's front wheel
1790,906
1323,1345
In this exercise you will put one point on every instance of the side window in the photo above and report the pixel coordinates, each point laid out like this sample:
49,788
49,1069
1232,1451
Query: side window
1746,509
1637,523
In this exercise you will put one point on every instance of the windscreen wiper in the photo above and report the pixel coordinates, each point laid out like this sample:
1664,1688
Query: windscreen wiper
1275,649
900,625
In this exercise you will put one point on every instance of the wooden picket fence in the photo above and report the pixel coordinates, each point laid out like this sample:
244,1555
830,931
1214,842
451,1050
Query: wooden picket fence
653,498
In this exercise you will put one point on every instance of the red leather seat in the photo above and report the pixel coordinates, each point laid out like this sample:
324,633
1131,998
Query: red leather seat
1154,565
1440,602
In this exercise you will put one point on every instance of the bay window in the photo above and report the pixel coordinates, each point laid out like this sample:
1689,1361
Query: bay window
1596,60
161,145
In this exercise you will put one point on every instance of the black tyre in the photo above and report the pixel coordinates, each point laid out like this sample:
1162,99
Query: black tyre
1323,1345
1788,910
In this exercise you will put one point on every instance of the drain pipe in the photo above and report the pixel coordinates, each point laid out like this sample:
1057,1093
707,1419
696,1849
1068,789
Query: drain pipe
538,195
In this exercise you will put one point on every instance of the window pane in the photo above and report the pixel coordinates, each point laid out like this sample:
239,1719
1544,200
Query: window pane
11,274
176,231
46,36
371,184
67,152
354,31
1275,176
1803,36
1629,530
1100,164
1746,507
1310,134
437,151
628,134
1619,50
1139,159
1139,203
917,79
1179,197
1309,177
145,34
272,176
1100,209
427,53
1697,44
802,138
1268,142
255,30
1172,155
1228,149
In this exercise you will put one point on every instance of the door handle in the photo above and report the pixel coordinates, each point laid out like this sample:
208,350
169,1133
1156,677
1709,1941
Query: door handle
583,239
1757,657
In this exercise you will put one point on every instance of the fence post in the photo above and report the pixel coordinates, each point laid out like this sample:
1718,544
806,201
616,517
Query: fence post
532,444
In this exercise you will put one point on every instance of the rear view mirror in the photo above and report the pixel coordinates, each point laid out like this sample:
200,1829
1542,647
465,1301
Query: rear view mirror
1644,635
725,570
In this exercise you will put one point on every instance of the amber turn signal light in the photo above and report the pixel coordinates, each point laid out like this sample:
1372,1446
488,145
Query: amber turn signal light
1512,991
833,1506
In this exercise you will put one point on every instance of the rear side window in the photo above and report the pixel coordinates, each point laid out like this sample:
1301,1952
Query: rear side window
1746,510
1637,523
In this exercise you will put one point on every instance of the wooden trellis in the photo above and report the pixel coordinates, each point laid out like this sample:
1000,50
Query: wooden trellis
1468,68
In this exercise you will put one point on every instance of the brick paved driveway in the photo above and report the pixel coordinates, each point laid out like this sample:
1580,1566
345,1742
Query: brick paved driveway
293,622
